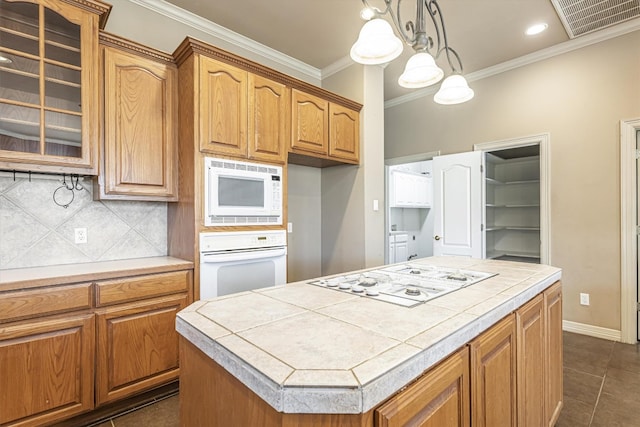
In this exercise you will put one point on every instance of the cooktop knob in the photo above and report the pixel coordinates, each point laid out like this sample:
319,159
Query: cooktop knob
344,286
357,289
372,292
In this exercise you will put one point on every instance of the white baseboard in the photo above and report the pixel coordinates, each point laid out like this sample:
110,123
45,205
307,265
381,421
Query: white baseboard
593,331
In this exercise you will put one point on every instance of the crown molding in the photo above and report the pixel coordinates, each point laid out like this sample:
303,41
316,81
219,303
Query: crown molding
550,52
341,64
199,23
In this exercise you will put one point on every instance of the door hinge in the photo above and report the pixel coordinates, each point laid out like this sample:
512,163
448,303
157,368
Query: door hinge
638,306
481,227
638,229
482,167
637,154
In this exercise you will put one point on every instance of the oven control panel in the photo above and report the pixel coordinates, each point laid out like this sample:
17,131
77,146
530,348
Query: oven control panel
233,240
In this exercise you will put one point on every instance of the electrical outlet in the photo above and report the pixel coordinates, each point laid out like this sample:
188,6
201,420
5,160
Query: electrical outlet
81,235
584,299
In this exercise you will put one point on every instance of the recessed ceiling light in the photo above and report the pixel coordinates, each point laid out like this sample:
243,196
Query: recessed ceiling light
536,29
5,60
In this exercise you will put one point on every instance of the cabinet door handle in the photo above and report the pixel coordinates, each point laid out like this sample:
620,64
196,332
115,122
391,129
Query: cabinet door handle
436,237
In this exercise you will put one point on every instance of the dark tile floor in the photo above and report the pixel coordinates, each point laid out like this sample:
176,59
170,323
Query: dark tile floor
601,389
601,383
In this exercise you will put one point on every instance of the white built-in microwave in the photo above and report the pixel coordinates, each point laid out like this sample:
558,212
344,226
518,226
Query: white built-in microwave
241,193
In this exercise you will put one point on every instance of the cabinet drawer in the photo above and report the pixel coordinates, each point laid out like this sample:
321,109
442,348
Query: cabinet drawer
42,301
117,291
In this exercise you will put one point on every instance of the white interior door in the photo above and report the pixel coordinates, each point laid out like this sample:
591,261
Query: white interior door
457,204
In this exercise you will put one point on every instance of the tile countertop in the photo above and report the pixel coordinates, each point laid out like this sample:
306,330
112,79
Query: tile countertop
23,278
307,349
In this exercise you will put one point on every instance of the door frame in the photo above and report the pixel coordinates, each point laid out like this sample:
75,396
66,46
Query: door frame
628,234
392,161
543,140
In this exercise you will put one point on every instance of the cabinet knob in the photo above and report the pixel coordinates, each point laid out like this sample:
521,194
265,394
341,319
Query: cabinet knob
437,237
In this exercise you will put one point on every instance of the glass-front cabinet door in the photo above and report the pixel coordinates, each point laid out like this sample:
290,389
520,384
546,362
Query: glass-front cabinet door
49,85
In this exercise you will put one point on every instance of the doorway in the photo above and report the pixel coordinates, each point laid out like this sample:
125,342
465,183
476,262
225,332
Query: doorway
520,147
408,224
629,189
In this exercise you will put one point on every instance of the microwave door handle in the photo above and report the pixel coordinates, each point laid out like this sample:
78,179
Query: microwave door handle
244,256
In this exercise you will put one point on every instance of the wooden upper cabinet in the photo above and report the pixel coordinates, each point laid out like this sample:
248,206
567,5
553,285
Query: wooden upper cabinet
309,123
49,117
236,107
439,398
140,123
324,129
493,376
223,108
344,140
268,119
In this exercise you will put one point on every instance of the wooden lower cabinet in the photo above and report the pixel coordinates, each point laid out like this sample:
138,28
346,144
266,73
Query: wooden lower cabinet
531,363
46,369
493,376
439,398
553,353
137,347
70,348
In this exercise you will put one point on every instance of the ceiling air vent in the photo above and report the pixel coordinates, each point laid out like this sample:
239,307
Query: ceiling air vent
586,16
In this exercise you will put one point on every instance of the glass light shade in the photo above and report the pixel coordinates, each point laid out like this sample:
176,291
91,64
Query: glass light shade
421,71
454,90
377,44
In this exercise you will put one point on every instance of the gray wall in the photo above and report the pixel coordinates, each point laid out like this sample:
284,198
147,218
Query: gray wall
353,233
304,207
579,98
36,232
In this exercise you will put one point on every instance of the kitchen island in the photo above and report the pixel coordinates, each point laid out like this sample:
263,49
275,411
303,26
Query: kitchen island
301,354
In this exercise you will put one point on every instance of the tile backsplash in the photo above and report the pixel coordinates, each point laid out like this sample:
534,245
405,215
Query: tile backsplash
35,231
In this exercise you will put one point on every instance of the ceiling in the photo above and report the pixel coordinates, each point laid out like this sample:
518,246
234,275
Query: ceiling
320,33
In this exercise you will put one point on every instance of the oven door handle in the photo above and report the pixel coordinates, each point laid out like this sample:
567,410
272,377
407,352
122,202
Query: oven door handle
243,256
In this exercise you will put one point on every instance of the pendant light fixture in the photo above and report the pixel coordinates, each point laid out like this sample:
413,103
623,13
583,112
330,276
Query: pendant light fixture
377,44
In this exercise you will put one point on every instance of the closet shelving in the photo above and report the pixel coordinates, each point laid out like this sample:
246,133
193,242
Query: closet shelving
512,208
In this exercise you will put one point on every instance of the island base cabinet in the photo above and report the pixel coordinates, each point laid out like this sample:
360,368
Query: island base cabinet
46,370
212,397
493,376
439,398
137,347
553,352
531,347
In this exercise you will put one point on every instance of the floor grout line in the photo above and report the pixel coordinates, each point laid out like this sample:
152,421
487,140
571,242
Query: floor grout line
604,378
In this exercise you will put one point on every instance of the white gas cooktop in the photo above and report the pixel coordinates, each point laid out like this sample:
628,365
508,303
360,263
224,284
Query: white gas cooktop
404,284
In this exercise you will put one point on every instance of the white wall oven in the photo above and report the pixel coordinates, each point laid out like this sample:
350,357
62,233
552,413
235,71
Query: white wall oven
240,261
241,193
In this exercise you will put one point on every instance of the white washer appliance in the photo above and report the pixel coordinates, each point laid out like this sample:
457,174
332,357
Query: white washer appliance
240,261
